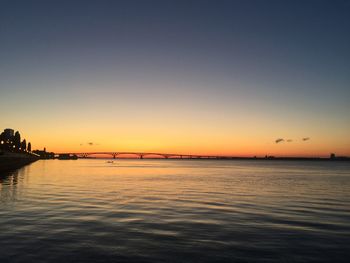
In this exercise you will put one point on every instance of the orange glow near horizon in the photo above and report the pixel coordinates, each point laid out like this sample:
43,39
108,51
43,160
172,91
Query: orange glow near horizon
181,132
210,143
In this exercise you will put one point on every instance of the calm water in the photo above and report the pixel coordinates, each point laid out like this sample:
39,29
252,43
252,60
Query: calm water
176,211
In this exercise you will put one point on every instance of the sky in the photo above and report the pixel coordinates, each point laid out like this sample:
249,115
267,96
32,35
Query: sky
191,77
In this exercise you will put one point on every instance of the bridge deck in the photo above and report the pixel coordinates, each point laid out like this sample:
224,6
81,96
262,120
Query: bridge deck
141,155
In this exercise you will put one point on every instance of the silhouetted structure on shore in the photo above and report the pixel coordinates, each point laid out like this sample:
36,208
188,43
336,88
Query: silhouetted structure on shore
10,141
14,152
339,158
44,154
67,157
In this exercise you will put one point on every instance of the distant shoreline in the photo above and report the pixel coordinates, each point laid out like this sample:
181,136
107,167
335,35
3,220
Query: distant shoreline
234,158
180,156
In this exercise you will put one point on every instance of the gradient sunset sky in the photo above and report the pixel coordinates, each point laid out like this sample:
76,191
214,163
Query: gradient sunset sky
200,77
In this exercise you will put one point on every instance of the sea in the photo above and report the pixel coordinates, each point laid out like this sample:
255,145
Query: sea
95,210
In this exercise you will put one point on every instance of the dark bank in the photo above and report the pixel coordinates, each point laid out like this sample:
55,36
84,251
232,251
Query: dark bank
14,152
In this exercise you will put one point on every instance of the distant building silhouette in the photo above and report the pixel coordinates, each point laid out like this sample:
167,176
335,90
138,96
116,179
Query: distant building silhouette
44,154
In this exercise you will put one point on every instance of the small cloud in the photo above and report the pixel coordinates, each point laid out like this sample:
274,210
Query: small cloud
279,140
93,143
305,139
289,140
89,144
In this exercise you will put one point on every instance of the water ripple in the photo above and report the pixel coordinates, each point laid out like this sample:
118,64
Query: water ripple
176,211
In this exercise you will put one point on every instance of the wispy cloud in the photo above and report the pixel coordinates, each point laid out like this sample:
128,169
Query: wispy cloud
289,140
306,139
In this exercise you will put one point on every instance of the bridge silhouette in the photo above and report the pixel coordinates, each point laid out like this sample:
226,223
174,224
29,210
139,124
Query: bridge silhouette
141,155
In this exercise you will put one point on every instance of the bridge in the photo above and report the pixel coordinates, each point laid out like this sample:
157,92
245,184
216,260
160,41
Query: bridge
141,155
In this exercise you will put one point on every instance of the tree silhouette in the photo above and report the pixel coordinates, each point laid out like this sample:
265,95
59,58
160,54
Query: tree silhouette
5,137
24,145
12,142
17,140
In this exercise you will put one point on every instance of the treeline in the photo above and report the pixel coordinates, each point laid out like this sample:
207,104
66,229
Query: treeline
11,141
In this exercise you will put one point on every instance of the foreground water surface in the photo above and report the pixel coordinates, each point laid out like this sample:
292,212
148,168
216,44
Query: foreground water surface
176,211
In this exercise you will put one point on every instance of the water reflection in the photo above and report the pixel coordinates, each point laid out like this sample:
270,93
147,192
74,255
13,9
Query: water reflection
9,178
8,185
13,177
175,211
